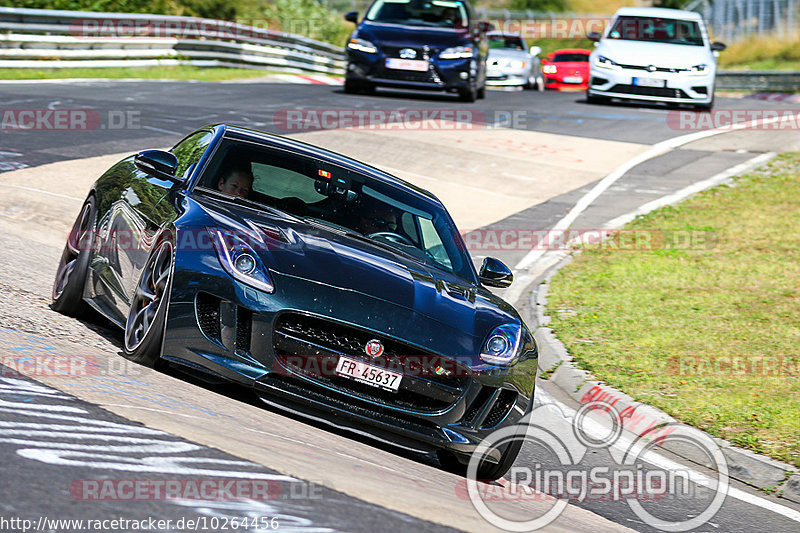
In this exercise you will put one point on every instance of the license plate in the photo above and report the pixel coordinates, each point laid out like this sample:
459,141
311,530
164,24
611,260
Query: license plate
369,374
573,79
649,82
406,64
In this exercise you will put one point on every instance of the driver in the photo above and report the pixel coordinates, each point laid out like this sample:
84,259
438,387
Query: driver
377,218
237,182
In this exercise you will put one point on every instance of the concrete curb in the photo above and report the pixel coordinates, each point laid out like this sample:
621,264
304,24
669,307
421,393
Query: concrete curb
555,362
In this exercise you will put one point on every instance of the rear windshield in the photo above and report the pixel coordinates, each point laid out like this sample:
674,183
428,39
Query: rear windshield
571,58
323,193
434,13
657,30
500,41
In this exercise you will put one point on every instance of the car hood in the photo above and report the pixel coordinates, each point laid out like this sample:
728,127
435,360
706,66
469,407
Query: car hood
499,53
658,54
328,258
411,36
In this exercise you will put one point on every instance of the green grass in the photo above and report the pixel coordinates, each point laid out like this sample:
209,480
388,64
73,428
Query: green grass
756,53
182,72
683,326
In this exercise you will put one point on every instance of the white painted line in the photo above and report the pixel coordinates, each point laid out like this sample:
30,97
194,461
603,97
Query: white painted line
58,195
151,128
690,190
655,151
600,431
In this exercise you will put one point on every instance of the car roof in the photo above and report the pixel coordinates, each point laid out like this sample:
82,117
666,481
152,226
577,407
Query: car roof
659,12
309,150
502,34
573,51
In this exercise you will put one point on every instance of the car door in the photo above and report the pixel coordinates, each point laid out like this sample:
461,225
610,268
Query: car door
142,206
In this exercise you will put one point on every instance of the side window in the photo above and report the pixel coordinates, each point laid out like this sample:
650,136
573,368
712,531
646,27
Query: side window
433,244
190,150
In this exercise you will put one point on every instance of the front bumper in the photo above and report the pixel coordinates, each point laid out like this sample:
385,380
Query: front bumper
442,75
225,331
679,87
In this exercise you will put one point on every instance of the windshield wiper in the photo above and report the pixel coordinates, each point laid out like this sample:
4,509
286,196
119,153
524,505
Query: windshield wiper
247,203
352,233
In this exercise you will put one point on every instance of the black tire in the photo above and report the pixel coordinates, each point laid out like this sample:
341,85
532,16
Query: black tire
74,264
351,87
482,92
470,94
144,329
486,471
596,99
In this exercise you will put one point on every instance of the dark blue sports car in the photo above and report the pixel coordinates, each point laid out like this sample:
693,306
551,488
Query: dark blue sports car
327,286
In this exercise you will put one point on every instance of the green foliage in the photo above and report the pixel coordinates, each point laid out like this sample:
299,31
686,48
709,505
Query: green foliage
540,5
670,4
309,18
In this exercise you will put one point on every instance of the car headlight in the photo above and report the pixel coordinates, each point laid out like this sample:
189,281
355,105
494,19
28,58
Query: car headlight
240,260
604,62
362,45
456,52
502,344
699,70
549,69
516,64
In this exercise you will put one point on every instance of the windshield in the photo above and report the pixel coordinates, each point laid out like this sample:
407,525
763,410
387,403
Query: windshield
435,13
323,193
501,41
571,58
657,30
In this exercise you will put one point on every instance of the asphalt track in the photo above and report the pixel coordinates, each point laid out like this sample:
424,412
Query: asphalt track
541,155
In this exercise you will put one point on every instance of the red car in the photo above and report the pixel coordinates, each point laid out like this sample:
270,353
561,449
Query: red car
566,69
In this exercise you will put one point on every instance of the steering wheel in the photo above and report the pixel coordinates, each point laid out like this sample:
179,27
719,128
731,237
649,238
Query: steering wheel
392,237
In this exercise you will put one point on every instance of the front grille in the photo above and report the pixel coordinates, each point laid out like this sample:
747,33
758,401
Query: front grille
657,69
207,308
664,92
311,346
505,401
478,405
244,328
429,76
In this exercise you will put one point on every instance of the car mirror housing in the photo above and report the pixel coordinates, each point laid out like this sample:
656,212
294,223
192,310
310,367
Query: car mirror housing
351,16
717,46
535,50
593,36
494,273
159,164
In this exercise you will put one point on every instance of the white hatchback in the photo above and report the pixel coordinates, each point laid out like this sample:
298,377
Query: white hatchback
654,54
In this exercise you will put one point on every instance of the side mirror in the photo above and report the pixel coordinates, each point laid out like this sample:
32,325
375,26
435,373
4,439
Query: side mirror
484,26
593,36
535,51
351,16
717,46
159,164
495,274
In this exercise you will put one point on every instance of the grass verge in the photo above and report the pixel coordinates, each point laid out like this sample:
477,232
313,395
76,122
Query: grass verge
179,72
706,325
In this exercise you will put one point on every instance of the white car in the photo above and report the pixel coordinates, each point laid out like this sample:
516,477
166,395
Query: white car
654,54
510,62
